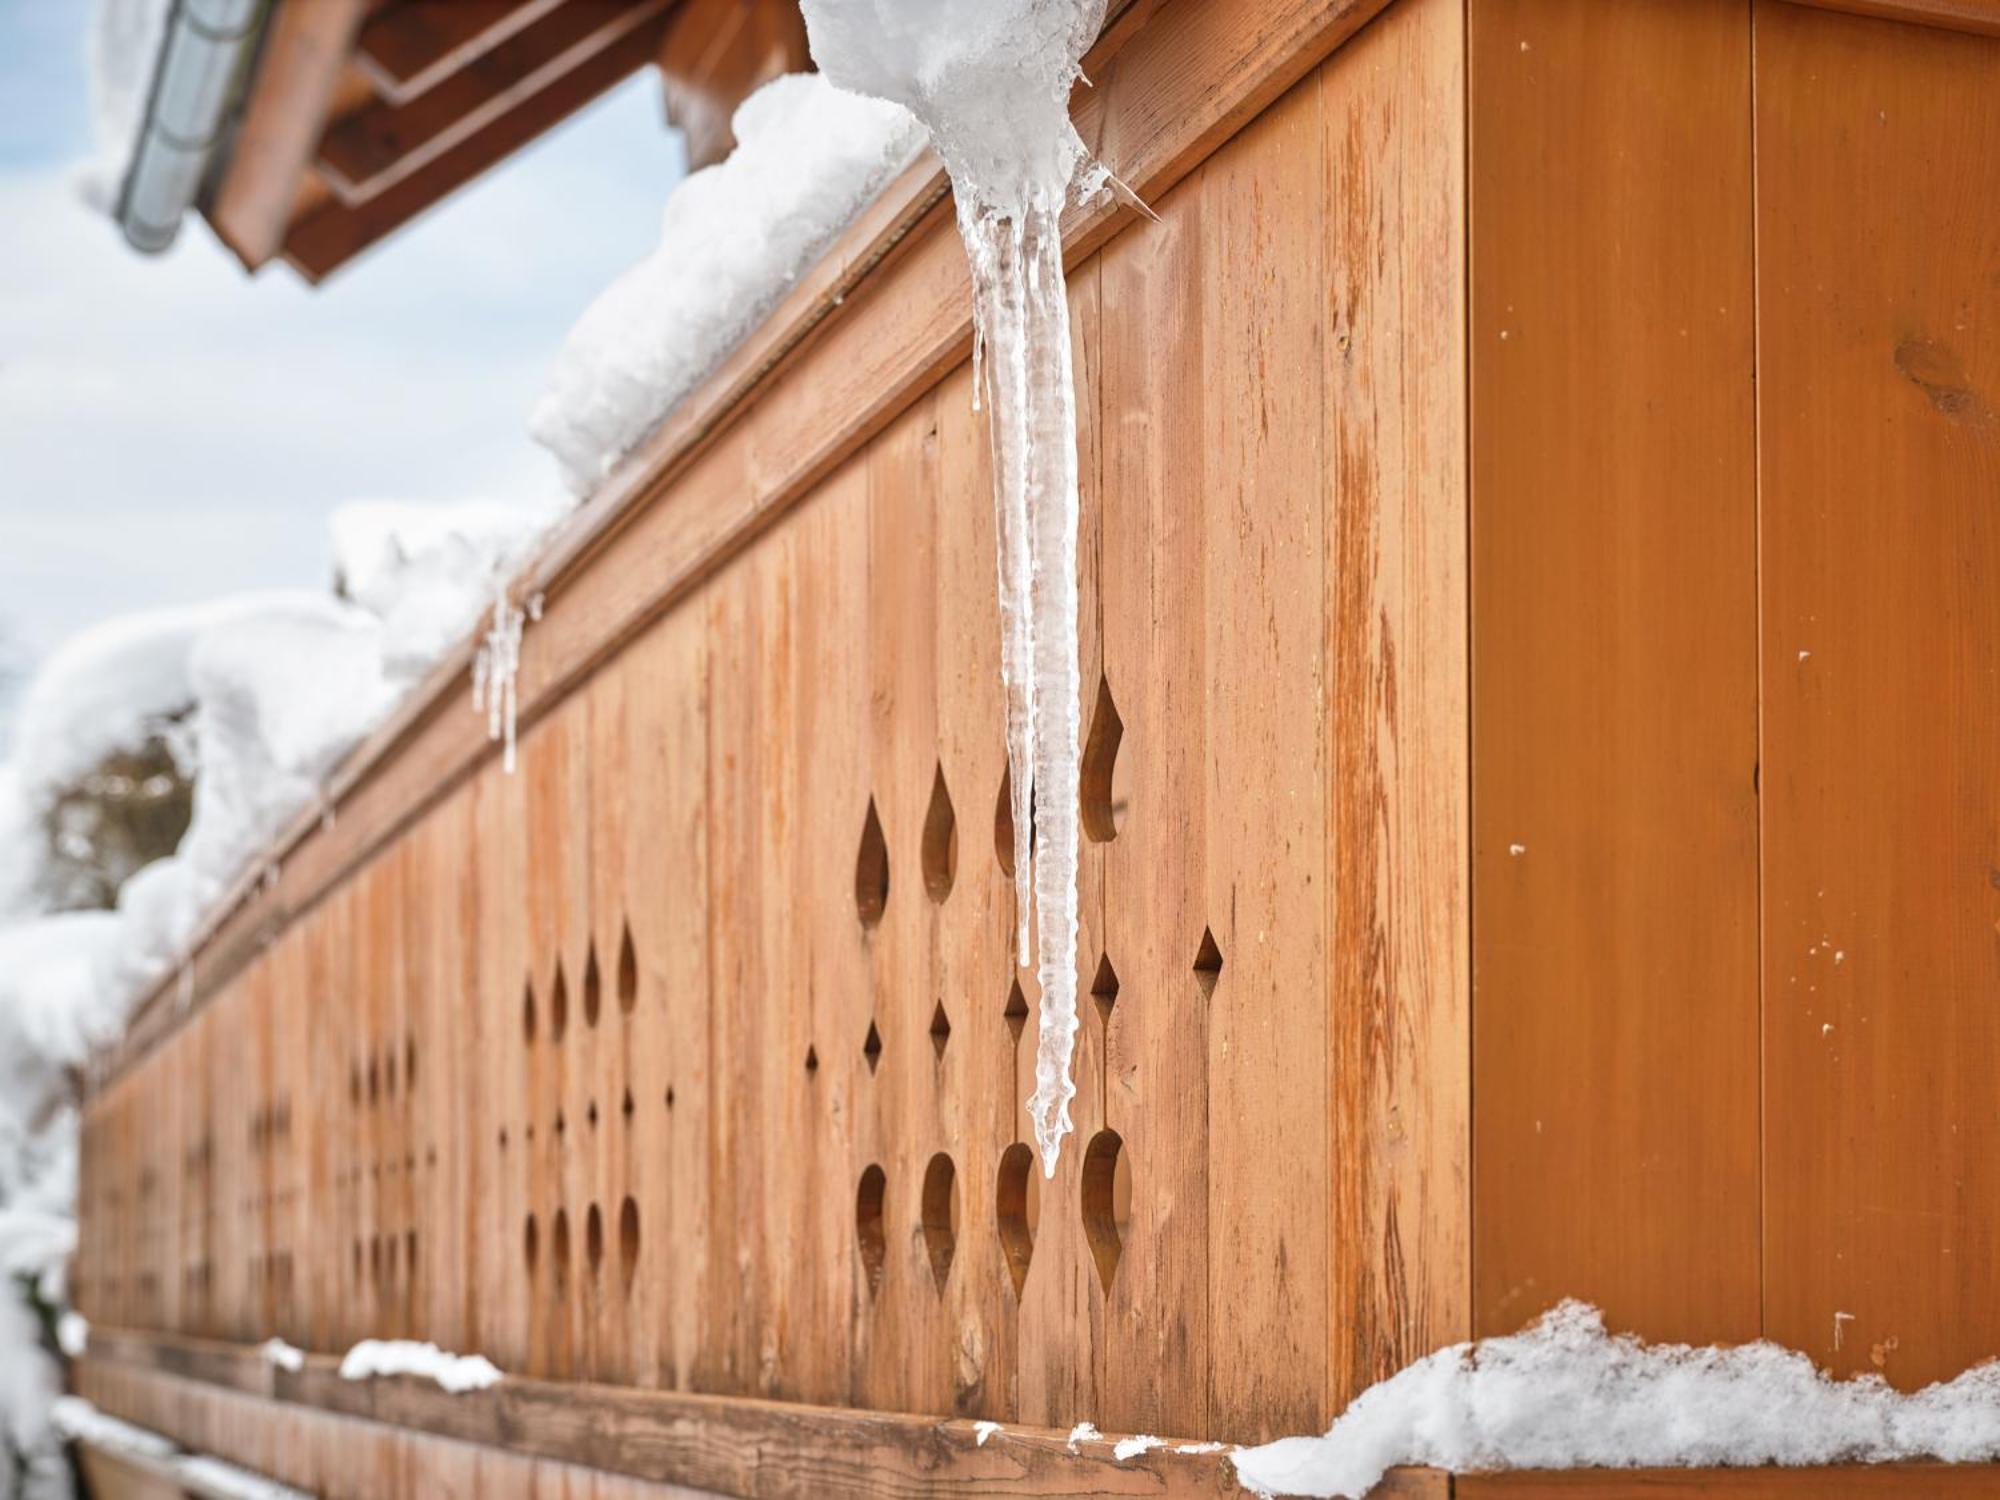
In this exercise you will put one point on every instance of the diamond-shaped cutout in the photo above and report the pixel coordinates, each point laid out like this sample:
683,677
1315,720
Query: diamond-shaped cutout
1017,1010
1207,963
872,1048
940,1029
1104,988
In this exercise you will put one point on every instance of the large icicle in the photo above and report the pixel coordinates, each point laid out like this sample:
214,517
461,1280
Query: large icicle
991,80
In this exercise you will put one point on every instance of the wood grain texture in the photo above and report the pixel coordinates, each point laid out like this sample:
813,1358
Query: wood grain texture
1614,697
1979,16
1397,870
1879,378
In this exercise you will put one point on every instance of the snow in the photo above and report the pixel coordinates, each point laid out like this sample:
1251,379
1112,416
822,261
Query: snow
1135,1446
79,1421
1566,1394
455,1373
1084,1432
285,1356
259,696
991,80
426,571
120,53
213,1478
981,1431
73,1335
76,1420
735,236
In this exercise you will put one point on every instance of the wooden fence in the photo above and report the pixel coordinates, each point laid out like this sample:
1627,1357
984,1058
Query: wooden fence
1543,662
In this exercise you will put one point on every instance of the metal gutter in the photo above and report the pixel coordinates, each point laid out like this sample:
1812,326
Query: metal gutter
206,46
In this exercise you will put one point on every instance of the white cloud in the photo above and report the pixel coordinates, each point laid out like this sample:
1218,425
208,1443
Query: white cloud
171,429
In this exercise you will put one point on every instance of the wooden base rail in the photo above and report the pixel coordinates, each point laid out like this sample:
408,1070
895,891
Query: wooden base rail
765,1450
771,1450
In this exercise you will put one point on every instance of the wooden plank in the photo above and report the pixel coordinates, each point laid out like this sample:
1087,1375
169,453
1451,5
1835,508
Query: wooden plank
1181,107
1873,1482
1260,451
830,714
305,44
411,45
1979,16
1614,712
763,1450
715,54
328,237
974,933
1153,592
1398,867
1878,415
370,148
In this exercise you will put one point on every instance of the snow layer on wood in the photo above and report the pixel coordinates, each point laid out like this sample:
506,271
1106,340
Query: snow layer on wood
285,1356
426,571
991,81
1565,1394
121,53
77,1420
111,688
216,1480
735,237
456,1373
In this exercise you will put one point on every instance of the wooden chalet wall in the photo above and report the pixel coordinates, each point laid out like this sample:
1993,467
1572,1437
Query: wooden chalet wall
1536,471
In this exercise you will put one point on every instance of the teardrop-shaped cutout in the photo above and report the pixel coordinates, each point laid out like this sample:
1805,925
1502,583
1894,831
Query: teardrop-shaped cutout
527,1017
558,1005
940,1216
1103,809
628,1243
593,1240
628,972
559,1250
1003,823
593,987
870,1237
940,851
1107,1201
871,870
1017,1202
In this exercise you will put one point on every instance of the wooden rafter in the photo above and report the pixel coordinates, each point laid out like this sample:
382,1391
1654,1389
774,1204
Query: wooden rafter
382,142
305,50
338,231
409,46
715,55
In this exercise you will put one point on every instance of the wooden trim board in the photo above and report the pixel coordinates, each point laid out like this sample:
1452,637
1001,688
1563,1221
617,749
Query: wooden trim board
729,1445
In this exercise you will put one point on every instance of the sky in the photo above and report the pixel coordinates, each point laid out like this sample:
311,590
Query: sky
172,429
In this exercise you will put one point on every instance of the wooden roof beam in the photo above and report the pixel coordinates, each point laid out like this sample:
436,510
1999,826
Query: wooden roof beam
380,143
305,50
337,231
715,55
412,45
